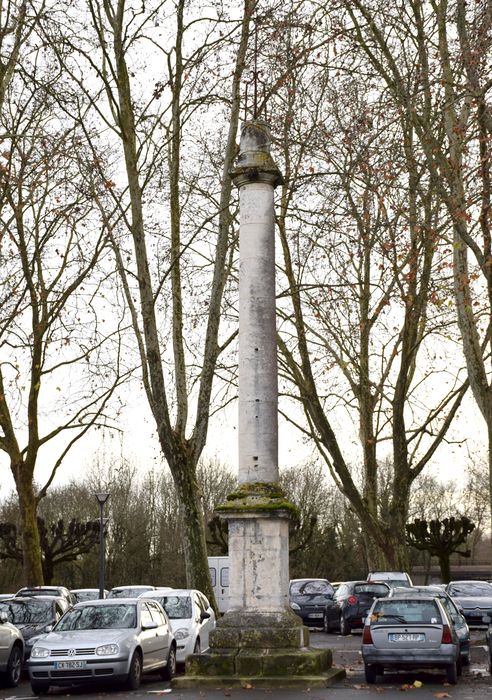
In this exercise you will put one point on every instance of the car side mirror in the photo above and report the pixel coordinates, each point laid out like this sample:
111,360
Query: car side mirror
3,617
48,628
151,625
204,616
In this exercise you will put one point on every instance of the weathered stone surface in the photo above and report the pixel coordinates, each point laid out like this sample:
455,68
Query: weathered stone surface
259,662
321,680
221,663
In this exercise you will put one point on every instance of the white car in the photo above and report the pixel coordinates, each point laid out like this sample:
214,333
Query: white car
104,640
191,618
128,591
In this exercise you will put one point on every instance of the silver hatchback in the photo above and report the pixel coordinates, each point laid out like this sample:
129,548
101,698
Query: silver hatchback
11,652
409,633
101,640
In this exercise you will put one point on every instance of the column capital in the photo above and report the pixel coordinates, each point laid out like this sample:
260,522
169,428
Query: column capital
255,163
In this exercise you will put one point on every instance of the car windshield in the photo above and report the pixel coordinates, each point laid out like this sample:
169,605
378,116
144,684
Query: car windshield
99,617
32,612
378,590
406,612
178,607
311,588
470,589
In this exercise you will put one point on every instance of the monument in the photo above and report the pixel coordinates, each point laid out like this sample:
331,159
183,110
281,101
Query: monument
259,641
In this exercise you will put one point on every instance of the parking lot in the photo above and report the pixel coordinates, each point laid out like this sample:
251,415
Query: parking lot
476,681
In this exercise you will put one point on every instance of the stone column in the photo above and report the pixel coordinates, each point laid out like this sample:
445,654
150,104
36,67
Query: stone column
259,641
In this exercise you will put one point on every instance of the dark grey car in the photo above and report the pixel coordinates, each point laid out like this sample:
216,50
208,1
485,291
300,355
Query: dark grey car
475,599
308,598
409,633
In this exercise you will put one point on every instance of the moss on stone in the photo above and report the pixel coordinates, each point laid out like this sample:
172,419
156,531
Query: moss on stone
260,497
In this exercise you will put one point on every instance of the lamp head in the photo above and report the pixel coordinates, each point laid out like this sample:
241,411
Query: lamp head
102,497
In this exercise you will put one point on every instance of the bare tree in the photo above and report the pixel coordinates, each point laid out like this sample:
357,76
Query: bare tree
433,60
56,378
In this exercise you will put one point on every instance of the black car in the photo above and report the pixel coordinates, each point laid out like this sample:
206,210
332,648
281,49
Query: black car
308,598
475,600
33,616
350,604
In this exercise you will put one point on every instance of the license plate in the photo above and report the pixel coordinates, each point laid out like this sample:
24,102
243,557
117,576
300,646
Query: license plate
69,665
406,637
315,614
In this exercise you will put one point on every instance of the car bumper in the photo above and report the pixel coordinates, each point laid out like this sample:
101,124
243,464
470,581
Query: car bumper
308,618
410,658
474,618
94,671
184,648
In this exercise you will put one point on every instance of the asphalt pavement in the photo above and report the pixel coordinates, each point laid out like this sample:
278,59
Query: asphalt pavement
475,684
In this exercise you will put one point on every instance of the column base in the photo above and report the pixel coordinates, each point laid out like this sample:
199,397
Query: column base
257,649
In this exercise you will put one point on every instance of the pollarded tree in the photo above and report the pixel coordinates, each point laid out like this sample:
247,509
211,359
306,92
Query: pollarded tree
441,538
60,543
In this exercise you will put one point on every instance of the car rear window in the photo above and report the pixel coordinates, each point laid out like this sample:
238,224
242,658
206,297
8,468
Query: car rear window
375,589
408,612
311,588
470,589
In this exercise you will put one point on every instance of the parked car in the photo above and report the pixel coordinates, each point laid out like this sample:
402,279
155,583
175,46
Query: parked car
11,652
82,594
350,604
408,633
54,591
308,598
488,639
114,640
128,591
474,598
33,616
455,616
191,617
392,578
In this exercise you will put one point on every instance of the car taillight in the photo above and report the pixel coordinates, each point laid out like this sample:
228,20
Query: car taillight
446,635
352,600
367,636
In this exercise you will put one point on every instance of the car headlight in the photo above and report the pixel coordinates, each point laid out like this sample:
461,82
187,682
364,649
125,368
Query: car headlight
107,649
40,652
294,606
182,633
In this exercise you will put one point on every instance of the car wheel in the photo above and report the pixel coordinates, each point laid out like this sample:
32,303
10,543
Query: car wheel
370,673
452,673
39,688
459,667
169,671
14,667
326,626
344,626
197,648
135,673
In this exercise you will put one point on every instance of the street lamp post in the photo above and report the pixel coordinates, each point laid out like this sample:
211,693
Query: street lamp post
101,499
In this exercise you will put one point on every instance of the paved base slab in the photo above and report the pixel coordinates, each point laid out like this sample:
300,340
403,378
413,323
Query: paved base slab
322,680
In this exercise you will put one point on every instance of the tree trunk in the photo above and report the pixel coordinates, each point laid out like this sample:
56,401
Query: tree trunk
194,540
445,566
31,548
